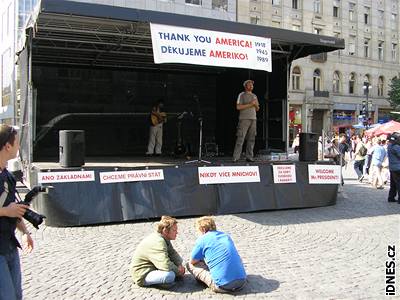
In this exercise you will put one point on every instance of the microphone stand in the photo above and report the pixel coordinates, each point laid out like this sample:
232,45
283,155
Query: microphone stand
200,119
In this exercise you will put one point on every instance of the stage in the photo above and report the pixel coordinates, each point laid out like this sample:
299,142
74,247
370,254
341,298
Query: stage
70,83
179,193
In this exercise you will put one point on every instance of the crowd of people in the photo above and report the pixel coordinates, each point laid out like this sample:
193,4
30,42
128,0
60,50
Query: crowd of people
375,159
369,155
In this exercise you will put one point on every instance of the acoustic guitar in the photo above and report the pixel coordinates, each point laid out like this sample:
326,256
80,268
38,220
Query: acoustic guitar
158,118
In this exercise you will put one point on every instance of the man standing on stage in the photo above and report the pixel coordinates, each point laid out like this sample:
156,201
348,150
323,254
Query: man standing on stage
247,105
157,118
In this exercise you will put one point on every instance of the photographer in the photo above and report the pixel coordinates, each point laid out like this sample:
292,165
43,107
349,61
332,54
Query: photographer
393,152
10,218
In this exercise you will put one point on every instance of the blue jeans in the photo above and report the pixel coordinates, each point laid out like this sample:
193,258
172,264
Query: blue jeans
10,276
159,277
358,167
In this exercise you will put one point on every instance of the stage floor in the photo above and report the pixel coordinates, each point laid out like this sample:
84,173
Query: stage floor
156,161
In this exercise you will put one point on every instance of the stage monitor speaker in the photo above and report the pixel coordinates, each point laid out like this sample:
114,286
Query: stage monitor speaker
308,148
72,148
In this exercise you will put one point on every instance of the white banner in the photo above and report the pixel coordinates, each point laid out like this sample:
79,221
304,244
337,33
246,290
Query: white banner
128,176
215,175
284,173
72,176
324,174
172,44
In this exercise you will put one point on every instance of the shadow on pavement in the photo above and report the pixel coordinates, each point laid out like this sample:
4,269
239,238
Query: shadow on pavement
355,201
255,284
188,285
258,284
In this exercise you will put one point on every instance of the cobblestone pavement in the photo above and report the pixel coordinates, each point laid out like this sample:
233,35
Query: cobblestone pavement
336,252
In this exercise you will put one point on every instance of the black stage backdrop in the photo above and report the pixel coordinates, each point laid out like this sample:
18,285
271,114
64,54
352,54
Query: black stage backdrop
209,91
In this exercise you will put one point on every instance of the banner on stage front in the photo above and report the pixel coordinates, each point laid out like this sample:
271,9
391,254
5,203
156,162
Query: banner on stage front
284,173
133,175
72,176
324,174
172,44
239,174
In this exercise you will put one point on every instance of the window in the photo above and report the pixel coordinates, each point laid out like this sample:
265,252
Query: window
380,50
6,63
336,7
194,2
9,18
366,48
393,21
367,78
336,82
296,76
380,86
367,12
352,83
296,27
352,12
337,35
254,19
295,4
381,18
276,24
394,51
317,80
336,12
367,84
317,30
276,2
220,5
352,45
4,25
317,6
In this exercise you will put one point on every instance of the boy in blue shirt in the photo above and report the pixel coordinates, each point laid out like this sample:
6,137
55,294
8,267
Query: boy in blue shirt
215,260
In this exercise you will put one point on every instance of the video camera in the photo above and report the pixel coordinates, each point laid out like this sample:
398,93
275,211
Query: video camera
32,217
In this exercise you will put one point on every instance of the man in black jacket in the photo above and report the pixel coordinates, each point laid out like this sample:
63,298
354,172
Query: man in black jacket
10,218
393,152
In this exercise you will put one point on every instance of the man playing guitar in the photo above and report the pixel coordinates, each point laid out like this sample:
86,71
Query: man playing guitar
157,118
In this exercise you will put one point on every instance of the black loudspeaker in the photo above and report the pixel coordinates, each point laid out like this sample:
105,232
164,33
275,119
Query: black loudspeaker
308,149
72,148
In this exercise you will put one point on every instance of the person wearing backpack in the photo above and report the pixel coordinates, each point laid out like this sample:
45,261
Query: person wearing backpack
343,148
359,159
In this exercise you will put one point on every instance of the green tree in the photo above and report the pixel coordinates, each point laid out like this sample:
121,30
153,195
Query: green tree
394,93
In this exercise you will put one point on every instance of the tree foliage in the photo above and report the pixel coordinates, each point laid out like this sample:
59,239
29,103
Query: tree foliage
394,93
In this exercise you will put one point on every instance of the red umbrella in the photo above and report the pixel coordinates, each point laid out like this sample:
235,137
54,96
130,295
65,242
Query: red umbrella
387,128
371,131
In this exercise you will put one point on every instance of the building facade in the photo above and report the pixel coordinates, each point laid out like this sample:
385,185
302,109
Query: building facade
7,62
325,92
336,90
15,14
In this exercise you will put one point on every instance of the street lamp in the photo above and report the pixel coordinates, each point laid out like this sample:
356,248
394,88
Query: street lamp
366,104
